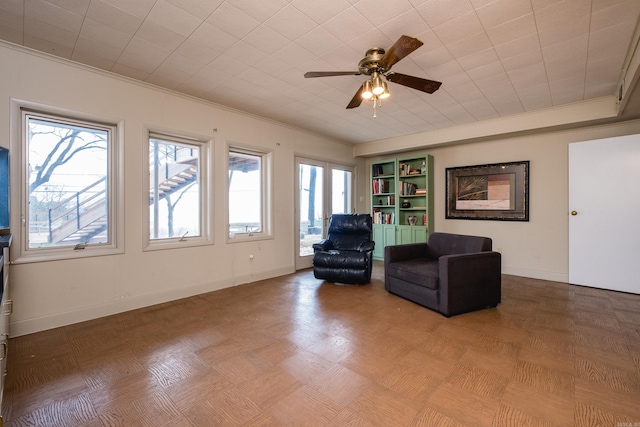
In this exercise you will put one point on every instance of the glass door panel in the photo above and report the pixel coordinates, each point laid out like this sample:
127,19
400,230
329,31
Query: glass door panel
340,190
322,189
311,209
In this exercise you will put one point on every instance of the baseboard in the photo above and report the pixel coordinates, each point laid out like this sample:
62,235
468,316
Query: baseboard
536,274
29,326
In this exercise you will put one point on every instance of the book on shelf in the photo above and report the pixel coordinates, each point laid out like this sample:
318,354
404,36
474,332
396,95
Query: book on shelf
380,186
380,217
421,191
407,188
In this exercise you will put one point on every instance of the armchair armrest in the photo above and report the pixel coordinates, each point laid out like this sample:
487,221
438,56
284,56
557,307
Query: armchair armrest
469,281
405,252
367,246
323,245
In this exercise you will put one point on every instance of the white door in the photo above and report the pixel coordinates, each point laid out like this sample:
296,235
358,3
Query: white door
321,189
604,201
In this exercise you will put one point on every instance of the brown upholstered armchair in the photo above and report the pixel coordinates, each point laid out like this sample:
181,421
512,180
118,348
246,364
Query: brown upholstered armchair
452,273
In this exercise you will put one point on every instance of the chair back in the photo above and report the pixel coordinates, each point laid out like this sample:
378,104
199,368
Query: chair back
453,244
349,231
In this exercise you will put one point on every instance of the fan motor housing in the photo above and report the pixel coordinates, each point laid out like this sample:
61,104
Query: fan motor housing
370,63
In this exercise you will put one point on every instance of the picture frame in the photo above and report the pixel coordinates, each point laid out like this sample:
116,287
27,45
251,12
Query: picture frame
498,191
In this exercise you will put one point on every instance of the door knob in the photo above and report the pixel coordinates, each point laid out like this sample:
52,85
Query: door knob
574,213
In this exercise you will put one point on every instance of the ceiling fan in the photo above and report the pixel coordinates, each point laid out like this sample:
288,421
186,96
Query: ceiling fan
378,62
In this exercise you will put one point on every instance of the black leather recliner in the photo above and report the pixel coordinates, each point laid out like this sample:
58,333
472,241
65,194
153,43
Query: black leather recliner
345,256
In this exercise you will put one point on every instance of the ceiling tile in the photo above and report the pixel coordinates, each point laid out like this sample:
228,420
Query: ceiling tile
232,20
16,7
525,60
101,12
349,25
47,45
512,30
502,11
470,45
129,71
52,15
318,40
568,51
526,45
197,51
530,76
56,35
266,39
172,17
562,13
246,53
76,6
535,98
159,35
571,29
409,23
459,28
320,12
260,10
290,22
380,11
90,58
97,49
142,55
139,8
11,26
200,8
437,12
106,34
213,37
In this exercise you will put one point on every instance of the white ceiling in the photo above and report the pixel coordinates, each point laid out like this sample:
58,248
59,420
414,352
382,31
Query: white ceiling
495,58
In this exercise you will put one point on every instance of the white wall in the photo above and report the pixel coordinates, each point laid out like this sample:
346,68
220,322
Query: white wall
537,248
55,293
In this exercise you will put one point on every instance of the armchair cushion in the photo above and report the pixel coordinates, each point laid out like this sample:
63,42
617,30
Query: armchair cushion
420,271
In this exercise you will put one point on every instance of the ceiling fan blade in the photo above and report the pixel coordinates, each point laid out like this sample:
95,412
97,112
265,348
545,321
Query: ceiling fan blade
330,73
418,83
403,47
357,99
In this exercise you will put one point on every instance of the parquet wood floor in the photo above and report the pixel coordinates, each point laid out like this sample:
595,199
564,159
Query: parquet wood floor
295,351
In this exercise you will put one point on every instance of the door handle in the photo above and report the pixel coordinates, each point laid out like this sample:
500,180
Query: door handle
574,213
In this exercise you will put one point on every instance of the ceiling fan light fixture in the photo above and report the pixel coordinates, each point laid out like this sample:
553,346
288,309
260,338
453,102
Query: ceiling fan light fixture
376,83
385,94
366,90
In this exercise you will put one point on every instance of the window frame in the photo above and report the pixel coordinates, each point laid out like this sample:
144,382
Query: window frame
204,170
266,174
21,111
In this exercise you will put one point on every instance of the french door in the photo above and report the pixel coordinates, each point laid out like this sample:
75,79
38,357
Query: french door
321,189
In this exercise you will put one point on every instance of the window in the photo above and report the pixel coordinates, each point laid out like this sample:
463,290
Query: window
70,192
248,193
175,188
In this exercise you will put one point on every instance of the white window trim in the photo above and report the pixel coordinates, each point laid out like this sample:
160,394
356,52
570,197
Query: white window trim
206,210
267,193
19,174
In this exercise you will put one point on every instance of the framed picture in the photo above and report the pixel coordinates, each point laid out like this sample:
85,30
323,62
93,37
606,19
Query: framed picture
498,191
